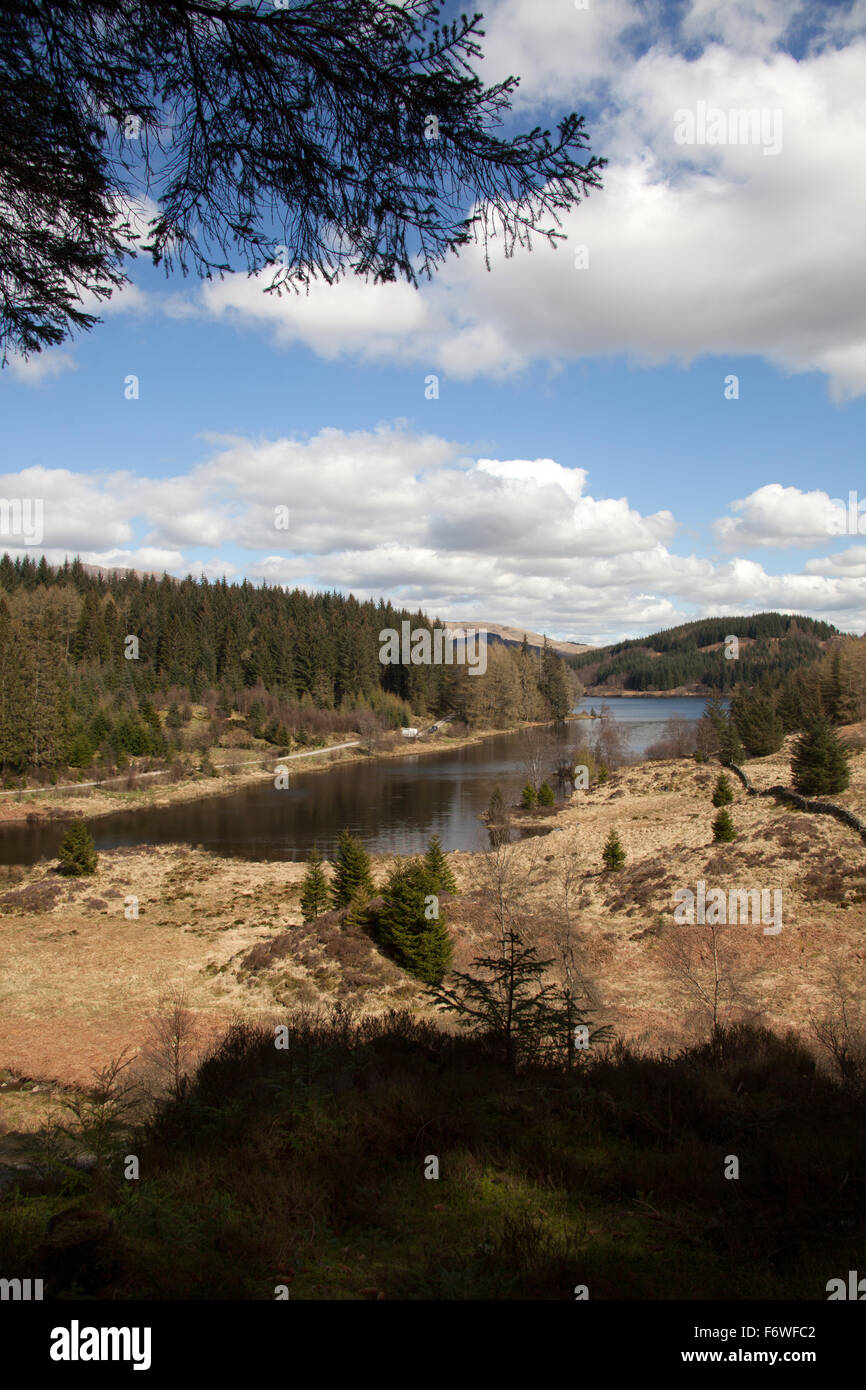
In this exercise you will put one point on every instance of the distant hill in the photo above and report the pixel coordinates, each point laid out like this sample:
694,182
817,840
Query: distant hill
691,658
513,637
122,571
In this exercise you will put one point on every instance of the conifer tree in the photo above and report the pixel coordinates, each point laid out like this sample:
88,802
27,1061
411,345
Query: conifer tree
789,706
613,853
553,682
77,853
832,693
13,742
314,890
357,912
296,123
723,792
352,871
545,795
509,1003
730,748
757,723
724,830
528,797
565,1014
438,868
410,924
819,763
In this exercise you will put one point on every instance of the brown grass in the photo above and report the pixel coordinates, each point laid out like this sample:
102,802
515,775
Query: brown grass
79,980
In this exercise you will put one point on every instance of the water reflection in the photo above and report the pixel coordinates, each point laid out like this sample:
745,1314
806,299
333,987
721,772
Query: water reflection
393,806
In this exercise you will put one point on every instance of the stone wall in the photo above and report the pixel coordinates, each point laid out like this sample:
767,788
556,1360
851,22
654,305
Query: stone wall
822,808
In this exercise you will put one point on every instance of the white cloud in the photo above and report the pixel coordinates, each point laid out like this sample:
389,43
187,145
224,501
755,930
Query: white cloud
79,511
784,517
360,319
741,25
846,564
143,558
40,366
387,511
557,50
344,488
693,250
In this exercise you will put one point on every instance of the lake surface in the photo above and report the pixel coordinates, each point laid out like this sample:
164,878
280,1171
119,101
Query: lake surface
394,806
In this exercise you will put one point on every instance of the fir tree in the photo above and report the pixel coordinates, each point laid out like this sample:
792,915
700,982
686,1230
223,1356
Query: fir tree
81,750
730,748
832,695
352,871
613,853
439,869
509,1004
314,890
723,793
789,706
553,682
723,827
410,925
528,797
357,913
77,853
266,101
819,763
565,1013
545,795
757,723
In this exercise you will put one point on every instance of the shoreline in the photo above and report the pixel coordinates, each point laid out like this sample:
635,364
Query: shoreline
230,932
97,800
647,695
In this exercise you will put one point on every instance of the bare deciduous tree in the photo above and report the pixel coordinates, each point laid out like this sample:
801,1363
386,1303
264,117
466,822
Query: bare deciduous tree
100,1118
577,992
507,874
172,1046
537,749
702,961
841,1027
611,743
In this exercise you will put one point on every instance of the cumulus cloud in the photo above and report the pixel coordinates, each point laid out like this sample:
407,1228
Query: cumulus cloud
846,564
690,250
388,511
40,366
79,511
779,516
143,558
343,489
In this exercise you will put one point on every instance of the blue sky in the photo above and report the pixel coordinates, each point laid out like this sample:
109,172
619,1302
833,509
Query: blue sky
581,471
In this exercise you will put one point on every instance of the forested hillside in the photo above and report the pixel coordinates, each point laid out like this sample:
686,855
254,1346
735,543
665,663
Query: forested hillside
771,645
108,667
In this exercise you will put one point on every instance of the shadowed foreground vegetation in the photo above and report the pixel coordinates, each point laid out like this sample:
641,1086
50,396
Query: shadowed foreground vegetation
306,1167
